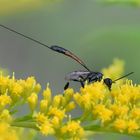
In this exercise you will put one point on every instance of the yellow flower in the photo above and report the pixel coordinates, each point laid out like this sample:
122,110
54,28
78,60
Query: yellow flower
72,130
132,126
120,125
5,116
47,93
70,106
44,124
57,100
55,112
119,110
102,112
7,132
84,100
135,113
43,105
5,100
41,118
68,94
16,90
4,82
32,101
29,86
46,128
37,88
96,91
56,122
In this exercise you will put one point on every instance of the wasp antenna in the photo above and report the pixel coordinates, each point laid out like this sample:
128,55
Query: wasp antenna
25,36
69,54
123,76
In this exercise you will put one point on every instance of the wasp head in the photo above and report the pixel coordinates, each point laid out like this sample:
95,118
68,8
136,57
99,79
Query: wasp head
108,82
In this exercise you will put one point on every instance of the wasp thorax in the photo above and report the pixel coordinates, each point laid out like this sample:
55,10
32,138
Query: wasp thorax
99,76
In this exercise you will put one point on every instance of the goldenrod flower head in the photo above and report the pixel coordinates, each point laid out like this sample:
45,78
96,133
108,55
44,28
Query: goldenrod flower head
68,94
5,116
3,127
15,90
90,95
132,125
72,130
57,100
135,113
96,91
41,118
55,122
43,105
46,128
4,82
120,125
103,113
7,132
84,101
47,93
32,101
44,124
55,112
5,100
70,106
37,88
29,86
119,111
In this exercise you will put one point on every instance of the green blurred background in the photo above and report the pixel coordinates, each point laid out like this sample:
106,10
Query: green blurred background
97,32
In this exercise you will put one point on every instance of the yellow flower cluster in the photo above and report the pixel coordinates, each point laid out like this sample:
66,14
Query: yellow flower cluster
118,108
53,114
7,133
13,93
115,110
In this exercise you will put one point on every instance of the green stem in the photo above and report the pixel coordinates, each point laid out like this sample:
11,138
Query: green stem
25,125
96,128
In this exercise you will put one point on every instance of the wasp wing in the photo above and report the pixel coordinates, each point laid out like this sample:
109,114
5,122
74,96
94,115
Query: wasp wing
77,75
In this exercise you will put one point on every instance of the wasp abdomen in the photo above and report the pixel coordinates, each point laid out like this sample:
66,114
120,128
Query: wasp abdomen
58,49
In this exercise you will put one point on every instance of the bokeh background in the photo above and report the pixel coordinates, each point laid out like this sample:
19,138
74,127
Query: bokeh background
95,30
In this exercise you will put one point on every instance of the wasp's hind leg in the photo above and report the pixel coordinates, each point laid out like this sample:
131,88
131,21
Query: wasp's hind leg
66,86
82,84
82,81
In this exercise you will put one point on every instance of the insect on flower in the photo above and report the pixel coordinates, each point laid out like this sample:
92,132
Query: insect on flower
79,76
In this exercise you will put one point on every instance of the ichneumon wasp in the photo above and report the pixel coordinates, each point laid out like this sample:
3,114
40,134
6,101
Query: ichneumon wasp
79,76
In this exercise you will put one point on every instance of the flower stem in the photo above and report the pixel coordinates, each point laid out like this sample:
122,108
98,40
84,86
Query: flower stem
98,129
25,125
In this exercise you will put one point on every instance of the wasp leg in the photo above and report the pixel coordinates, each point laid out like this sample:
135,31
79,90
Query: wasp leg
66,86
82,80
82,84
